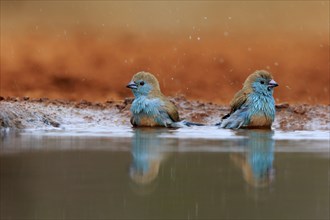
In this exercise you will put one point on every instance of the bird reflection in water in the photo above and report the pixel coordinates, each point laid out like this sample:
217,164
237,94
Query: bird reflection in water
148,152
256,162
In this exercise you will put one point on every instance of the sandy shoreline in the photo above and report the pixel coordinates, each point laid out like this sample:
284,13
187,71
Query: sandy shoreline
44,113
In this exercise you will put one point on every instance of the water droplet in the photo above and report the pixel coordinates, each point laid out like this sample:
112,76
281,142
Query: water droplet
196,209
225,33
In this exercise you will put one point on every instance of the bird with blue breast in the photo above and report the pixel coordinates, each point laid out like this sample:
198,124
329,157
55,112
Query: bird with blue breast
150,107
254,105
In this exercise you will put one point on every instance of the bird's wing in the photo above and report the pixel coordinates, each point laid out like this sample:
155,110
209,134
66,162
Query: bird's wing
171,110
238,100
133,121
236,120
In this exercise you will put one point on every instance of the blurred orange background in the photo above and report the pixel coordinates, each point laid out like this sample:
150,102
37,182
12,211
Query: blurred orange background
203,50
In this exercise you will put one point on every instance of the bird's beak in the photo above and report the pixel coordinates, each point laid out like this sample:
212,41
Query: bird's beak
272,83
132,85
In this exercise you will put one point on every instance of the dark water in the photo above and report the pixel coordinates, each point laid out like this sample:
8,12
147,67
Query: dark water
157,174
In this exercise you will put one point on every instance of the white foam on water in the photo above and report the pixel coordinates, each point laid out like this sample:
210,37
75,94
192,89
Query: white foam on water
302,135
92,131
212,132
202,132
205,139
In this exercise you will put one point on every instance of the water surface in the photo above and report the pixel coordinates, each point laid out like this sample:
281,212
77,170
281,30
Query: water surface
191,173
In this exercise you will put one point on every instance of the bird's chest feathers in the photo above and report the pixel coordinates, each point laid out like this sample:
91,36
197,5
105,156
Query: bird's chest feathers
262,109
146,106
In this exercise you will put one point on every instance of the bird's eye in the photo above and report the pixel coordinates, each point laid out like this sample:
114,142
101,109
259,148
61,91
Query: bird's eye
262,82
142,83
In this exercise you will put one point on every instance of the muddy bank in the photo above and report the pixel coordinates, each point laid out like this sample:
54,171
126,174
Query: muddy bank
44,113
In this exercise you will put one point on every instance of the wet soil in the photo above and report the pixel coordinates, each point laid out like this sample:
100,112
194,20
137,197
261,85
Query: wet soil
44,113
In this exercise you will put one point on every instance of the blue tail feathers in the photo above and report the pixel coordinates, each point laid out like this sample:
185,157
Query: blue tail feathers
187,123
181,124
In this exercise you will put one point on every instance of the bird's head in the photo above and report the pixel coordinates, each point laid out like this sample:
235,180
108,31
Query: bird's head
260,81
144,84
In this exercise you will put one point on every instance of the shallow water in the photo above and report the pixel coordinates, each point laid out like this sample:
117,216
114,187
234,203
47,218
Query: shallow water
190,173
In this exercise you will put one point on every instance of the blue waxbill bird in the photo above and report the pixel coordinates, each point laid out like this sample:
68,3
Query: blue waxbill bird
254,105
150,107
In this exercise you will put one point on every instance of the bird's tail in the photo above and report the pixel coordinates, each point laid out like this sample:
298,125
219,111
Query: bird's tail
218,124
223,118
184,123
188,123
